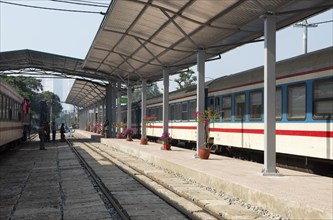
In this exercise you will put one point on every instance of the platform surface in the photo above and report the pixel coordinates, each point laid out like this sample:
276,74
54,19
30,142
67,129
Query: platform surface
296,195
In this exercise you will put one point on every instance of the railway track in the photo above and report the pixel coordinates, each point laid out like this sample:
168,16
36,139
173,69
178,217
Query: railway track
122,190
185,196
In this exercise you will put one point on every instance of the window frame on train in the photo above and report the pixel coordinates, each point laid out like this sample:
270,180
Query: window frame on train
326,99
184,110
239,117
225,109
278,103
192,109
291,102
252,115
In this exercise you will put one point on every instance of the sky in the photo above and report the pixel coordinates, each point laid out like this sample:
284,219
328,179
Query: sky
71,34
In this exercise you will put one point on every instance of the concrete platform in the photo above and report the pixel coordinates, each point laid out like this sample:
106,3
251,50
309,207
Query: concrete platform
46,184
295,195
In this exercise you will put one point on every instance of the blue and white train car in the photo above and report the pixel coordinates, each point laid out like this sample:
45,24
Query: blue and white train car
304,109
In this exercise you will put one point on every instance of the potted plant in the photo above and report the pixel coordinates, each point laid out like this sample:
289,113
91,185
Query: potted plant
148,120
119,126
205,117
128,133
166,139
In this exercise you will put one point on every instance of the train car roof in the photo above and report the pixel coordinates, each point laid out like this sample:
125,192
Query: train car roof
314,60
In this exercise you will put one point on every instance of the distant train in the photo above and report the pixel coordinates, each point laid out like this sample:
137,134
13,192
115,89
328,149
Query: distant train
14,116
304,113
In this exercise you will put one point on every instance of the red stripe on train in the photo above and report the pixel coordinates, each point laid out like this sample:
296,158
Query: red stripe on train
278,132
259,131
10,128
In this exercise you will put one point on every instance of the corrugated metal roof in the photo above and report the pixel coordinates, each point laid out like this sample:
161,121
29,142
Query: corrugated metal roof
21,60
137,39
86,93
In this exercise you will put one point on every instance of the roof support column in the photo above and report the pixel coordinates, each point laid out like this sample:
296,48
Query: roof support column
200,99
103,111
94,117
108,111
113,109
118,103
129,106
143,109
269,96
86,117
165,101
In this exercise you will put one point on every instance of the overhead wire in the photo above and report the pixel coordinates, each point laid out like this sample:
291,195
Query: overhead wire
53,9
79,3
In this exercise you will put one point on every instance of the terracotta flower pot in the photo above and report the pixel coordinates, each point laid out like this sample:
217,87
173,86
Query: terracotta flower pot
119,136
167,146
204,153
129,139
144,141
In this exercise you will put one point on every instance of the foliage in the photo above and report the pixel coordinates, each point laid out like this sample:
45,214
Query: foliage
186,79
119,125
166,138
205,117
152,91
32,88
51,99
25,86
128,132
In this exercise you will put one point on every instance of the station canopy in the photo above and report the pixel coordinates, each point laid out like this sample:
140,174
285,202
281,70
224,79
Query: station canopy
35,62
86,93
139,38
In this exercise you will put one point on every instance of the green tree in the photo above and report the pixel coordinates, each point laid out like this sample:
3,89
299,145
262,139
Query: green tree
51,99
31,88
25,86
152,91
186,79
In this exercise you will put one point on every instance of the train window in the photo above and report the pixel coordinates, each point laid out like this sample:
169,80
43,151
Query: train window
1,106
15,112
6,108
193,108
323,99
217,108
211,103
296,102
240,106
278,104
158,113
177,111
255,106
10,109
184,111
172,112
226,108
19,114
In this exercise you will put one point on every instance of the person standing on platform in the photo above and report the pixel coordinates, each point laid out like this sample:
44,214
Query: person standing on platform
54,130
47,131
106,128
41,134
62,132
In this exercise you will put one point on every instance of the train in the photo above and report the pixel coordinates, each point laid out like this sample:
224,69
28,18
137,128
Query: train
304,113
14,116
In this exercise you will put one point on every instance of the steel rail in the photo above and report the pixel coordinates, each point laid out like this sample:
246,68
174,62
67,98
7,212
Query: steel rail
123,214
165,198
